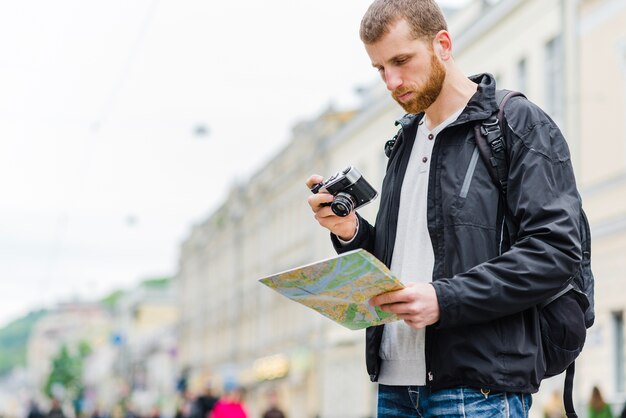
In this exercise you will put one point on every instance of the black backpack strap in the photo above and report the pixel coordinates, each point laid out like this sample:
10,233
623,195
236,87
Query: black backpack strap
491,141
490,136
568,388
404,122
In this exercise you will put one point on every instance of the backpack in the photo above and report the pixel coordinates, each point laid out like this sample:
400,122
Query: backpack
565,317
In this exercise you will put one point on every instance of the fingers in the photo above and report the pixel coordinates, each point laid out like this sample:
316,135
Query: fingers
343,227
313,180
390,298
402,310
319,202
416,304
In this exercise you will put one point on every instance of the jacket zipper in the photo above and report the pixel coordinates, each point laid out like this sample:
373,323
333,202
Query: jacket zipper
404,123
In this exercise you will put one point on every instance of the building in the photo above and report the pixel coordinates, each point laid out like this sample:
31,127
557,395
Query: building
602,126
232,328
70,324
568,56
133,348
145,344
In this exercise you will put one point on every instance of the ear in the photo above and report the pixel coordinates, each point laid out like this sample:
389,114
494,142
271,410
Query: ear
442,44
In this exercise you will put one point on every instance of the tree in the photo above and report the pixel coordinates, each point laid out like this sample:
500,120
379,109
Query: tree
67,374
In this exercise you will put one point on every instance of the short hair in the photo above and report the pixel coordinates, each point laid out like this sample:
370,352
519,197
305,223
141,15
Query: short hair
423,16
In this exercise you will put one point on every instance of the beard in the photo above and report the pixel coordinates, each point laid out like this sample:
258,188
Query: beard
427,94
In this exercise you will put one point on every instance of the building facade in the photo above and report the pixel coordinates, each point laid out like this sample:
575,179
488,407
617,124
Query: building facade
69,325
602,126
145,348
232,327
565,55
569,56
132,350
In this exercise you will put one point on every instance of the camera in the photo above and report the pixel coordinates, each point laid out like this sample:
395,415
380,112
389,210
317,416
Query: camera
350,189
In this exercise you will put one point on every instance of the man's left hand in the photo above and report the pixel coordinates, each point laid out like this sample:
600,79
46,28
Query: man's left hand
416,304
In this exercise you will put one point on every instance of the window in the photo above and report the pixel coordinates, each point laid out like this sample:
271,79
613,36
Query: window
554,79
522,76
618,349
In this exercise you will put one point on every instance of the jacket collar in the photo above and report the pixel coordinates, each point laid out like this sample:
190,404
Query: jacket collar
483,103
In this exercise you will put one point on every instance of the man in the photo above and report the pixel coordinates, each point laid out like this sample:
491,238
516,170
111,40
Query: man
205,402
273,411
469,342
33,410
56,410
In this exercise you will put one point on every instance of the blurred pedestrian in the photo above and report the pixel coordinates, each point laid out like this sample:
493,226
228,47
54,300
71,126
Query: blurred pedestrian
598,408
188,407
129,411
96,413
56,411
230,405
273,411
205,401
181,383
34,411
184,405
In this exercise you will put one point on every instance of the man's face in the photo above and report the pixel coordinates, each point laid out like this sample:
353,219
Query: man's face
409,67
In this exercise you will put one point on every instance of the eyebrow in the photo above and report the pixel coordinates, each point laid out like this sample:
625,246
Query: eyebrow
395,58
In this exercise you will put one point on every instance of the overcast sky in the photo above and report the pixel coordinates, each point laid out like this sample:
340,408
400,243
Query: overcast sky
103,165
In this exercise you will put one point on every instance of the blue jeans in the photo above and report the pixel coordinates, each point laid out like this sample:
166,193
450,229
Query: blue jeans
422,402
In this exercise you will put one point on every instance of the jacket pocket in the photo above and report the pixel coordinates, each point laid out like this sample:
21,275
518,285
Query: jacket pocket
474,198
469,174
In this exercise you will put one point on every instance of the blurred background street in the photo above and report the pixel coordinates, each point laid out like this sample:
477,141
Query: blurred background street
153,162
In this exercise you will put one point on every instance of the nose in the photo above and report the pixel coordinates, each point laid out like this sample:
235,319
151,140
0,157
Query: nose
392,79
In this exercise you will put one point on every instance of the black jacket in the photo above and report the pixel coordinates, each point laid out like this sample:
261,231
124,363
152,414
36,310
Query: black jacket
488,278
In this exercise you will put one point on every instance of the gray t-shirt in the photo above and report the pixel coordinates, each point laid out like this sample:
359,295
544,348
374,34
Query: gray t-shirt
402,348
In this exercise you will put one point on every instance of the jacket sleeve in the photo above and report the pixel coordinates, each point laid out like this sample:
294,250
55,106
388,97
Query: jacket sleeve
545,253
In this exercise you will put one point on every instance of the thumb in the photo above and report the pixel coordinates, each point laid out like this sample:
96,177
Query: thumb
313,180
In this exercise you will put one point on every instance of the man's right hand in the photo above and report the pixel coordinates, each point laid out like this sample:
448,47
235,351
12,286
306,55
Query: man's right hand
344,227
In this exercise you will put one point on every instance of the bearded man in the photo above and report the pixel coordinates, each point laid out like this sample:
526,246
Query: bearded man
469,343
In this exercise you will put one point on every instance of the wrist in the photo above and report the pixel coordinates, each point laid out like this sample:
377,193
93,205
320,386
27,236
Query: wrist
347,239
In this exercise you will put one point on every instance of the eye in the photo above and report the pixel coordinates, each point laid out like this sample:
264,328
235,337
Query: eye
381,72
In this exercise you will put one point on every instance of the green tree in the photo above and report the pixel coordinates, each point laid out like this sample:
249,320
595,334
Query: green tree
67,373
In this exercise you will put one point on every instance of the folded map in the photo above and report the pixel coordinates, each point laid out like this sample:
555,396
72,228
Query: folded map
339,288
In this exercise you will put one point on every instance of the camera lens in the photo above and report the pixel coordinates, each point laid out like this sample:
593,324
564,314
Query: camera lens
342,205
